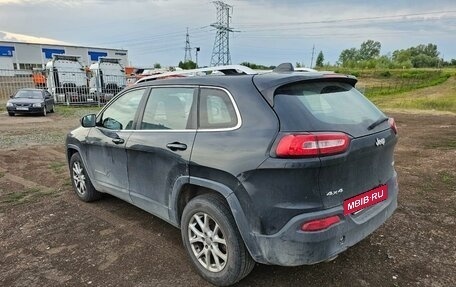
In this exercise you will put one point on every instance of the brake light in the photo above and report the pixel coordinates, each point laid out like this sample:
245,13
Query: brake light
320,224
309,145
393,124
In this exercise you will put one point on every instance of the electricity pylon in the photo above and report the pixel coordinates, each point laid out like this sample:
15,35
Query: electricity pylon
221,51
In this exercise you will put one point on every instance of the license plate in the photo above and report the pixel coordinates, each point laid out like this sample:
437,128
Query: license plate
22,108
365,199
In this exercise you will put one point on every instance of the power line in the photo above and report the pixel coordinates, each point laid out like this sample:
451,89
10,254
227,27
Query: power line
173,41
172,34
341,34
347,19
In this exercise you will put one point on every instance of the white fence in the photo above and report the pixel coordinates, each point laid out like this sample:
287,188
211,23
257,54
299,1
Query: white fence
70,88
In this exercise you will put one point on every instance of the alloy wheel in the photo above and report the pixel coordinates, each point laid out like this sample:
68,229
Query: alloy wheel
207,242
79,178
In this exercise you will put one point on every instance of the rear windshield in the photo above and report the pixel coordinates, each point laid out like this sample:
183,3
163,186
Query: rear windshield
325,106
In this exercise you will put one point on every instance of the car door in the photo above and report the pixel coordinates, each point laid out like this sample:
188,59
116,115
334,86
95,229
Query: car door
106,142
159,150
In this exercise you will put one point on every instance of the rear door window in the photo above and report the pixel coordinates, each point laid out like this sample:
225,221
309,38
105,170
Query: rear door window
325,106
216,110
169,109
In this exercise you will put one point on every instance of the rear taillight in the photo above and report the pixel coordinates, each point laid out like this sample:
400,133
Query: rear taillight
320,224
392,125
309,145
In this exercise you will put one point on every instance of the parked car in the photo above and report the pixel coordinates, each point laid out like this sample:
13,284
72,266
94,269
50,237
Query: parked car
30,101
280,168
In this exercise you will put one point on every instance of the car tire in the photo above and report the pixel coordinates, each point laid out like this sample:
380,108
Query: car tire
82,185
52,108
208,230
11,114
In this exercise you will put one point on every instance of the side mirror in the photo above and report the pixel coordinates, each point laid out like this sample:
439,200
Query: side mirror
89,121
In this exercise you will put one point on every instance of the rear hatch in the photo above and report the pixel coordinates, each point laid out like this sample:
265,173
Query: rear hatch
328,106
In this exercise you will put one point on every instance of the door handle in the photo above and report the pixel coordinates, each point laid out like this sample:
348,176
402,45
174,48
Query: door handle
176,146
118,141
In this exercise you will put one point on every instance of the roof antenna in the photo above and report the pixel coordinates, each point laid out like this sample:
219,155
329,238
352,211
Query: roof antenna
284,68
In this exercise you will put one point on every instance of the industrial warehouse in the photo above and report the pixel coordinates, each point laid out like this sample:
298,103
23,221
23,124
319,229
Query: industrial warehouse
25,56
72,74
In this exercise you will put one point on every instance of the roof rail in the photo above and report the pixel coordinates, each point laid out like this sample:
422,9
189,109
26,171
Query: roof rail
225,70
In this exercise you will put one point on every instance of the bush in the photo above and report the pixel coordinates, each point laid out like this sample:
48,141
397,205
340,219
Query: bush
385,74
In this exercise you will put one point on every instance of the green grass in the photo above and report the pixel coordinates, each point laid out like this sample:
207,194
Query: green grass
441,183
76,111
56,166
444,143
405,86
394,88
439,104
417,89
2,174
447,178
67,183
28,195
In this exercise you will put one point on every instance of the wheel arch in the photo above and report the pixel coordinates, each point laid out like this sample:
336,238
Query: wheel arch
186,188
72,149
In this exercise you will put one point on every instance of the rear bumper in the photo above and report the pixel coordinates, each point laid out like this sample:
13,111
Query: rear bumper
293,247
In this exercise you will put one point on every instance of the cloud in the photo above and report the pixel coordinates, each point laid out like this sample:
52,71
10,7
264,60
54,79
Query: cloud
8,36
270,31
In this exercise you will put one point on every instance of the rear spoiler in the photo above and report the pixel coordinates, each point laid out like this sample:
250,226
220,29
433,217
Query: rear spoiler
267,87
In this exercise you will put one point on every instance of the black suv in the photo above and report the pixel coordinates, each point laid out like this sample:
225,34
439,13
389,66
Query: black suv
278,168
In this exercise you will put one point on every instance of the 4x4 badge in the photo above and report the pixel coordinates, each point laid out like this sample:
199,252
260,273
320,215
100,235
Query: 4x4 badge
380,142
330,193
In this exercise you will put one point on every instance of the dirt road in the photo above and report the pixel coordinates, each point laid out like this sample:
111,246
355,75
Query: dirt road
49,238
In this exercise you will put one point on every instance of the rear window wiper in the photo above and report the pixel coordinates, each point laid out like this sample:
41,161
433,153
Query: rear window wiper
376,123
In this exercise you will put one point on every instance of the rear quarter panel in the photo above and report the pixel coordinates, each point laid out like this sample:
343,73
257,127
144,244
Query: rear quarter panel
229,157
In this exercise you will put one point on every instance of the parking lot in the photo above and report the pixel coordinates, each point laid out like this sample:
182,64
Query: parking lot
49,238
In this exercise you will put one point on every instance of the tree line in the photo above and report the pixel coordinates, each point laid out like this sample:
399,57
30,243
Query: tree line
368,56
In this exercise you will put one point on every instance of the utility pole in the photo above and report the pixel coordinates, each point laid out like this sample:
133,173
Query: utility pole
313,53
188,49
197,49
221,51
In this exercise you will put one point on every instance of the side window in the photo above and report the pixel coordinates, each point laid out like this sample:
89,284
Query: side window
169,109
216,110
120,114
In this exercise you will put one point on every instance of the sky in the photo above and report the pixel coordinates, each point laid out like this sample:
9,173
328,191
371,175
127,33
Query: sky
267,32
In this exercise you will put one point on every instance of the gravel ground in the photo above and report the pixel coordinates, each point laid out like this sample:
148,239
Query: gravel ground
49,238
